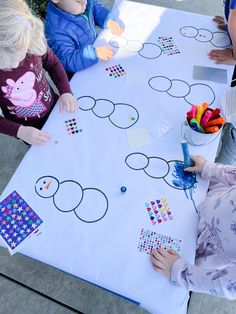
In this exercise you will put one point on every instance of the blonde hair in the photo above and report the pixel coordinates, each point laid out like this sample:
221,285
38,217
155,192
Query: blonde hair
20,33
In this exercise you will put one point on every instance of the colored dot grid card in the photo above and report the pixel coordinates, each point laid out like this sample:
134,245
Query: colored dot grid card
18,221
150,240
116,71
159,211
168,45
71,127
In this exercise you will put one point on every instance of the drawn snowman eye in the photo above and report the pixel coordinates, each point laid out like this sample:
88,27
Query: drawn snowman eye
21,83
40,189
44,182
17,88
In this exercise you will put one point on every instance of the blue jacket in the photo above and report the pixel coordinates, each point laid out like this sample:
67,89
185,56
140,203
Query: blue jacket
71,37
229,5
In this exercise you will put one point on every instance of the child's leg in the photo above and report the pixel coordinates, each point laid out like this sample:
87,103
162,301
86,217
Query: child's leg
227,151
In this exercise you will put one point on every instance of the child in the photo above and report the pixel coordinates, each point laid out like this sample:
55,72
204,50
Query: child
227,153
228,55
214,271
71,32
26,98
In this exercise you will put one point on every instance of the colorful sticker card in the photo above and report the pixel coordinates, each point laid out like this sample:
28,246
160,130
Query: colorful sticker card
18,220
168,45
71,126
159,211
116,71
150,240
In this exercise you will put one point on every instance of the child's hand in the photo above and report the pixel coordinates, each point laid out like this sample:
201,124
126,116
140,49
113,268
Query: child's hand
32,135
163,261
224,56
114,27
104,53
199,163
69,102
220,22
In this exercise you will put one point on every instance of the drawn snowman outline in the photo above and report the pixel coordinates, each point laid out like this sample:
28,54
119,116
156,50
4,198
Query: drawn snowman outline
109,110
206,36
173,87
185,181
49,186
147,50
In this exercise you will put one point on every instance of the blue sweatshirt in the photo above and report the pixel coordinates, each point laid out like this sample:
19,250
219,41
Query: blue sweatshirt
71,37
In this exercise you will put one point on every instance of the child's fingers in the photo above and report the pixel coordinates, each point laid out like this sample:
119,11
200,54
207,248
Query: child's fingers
44,134
162,251
159,270
72,107
157,263
160,255
218,18
42,137
172,252
117,30
40,140
190,169
109,54
61,106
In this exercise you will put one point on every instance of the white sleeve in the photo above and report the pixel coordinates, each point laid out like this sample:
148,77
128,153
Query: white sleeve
220,283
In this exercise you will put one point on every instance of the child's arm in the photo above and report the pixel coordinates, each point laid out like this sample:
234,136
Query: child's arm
9,127
105,19
28,134
101,14
213,171
56,71
221,283
232,31
59,77
219,173
73,58
228,55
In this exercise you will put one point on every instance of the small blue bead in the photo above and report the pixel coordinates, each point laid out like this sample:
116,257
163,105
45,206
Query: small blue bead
123,189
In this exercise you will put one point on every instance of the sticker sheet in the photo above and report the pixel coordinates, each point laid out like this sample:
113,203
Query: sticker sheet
150,241
18,221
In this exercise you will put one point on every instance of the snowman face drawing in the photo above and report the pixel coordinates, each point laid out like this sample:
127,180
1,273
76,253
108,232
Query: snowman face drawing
88,204
47,186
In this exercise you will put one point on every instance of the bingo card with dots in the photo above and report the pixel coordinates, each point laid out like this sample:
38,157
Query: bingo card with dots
150,240
168,45
116,71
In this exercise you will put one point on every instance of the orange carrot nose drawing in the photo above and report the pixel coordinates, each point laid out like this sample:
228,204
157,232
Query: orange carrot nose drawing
47,185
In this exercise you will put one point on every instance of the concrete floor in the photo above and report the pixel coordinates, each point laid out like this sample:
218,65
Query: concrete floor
28,286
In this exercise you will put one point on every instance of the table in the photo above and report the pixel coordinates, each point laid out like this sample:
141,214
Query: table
127,132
